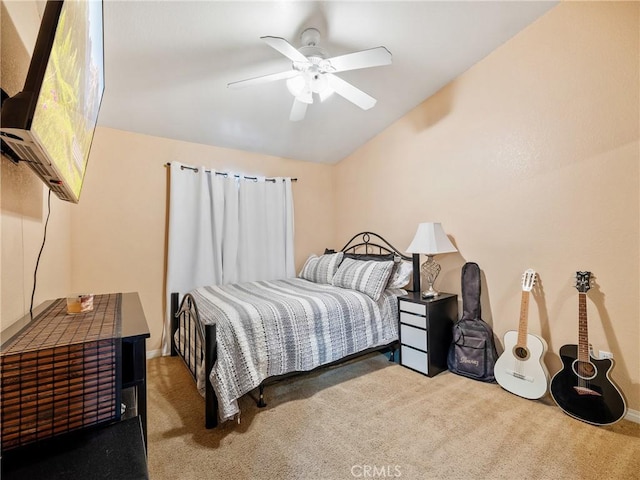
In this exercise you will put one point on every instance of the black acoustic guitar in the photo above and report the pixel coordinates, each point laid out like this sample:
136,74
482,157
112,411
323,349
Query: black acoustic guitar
583,389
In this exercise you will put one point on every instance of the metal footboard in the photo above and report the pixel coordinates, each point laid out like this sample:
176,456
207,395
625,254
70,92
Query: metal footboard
196,344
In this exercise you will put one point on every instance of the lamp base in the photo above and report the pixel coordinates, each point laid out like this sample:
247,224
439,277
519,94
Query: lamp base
431,293
430,270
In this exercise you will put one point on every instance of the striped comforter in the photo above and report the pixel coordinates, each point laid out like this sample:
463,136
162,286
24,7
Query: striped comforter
271,328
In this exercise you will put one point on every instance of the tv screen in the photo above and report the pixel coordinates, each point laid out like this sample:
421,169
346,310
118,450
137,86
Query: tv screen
50,124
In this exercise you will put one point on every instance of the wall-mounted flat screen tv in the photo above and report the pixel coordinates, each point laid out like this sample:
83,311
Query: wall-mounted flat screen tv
51,122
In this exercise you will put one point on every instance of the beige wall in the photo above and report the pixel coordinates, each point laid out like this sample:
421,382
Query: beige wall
530,160
119,226
23,209
114,239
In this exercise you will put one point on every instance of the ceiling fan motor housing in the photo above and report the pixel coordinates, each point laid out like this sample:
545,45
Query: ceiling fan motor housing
310,37
310,48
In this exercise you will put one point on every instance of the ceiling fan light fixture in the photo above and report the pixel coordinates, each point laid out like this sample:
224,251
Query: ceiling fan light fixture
304,86
312,72
319,83
296,85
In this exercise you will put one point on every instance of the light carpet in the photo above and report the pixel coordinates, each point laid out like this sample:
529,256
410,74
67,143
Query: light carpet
371,418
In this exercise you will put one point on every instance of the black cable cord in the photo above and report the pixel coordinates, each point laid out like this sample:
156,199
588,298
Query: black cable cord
44,239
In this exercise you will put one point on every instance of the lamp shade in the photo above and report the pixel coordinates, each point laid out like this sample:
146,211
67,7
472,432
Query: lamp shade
430,239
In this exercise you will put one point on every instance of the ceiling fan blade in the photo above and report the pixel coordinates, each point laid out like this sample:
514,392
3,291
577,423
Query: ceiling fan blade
285,48
374,57
263,79
298,110
351,93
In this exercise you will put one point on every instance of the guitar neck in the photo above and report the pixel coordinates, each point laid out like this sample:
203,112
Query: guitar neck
524,315
583,330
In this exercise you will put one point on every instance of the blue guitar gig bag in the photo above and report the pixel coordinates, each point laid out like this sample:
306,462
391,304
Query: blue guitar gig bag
473,351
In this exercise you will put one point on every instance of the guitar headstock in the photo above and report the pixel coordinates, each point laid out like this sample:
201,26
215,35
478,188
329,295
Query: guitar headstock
583,281
528,280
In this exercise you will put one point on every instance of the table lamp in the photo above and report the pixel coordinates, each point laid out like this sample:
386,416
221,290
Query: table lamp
430,240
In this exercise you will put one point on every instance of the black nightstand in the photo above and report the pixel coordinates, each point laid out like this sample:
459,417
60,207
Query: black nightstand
425,331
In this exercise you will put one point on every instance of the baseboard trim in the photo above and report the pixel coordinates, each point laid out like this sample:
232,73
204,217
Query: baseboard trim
154,353
632,416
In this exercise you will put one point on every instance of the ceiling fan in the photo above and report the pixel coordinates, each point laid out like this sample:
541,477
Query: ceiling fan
313,73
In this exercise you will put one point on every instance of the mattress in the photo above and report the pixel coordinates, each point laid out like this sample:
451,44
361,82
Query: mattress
271,328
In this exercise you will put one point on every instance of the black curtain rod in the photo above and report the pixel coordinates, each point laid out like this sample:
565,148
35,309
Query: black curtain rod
225,174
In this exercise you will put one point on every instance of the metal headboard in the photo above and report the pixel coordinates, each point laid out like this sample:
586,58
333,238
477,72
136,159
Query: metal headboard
379,247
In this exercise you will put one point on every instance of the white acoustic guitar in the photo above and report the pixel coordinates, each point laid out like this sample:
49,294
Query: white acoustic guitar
520,368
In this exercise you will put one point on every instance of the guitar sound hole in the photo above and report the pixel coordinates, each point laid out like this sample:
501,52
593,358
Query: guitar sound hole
521,352
585,370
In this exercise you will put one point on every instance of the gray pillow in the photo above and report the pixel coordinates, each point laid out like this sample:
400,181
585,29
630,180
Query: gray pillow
321,269
367,276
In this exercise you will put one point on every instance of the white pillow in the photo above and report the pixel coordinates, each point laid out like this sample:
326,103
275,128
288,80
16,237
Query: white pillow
400,275
321,269
367,276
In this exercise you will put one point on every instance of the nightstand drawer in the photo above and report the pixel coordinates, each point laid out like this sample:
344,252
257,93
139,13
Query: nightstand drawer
414,337
417,308
410,319
414,359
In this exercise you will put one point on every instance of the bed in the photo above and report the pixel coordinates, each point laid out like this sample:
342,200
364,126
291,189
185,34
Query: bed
236,338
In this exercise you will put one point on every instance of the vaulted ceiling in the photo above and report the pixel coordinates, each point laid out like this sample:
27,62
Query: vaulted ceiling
168,64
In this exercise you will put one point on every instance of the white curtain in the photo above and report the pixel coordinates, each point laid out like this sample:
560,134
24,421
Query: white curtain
225,229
